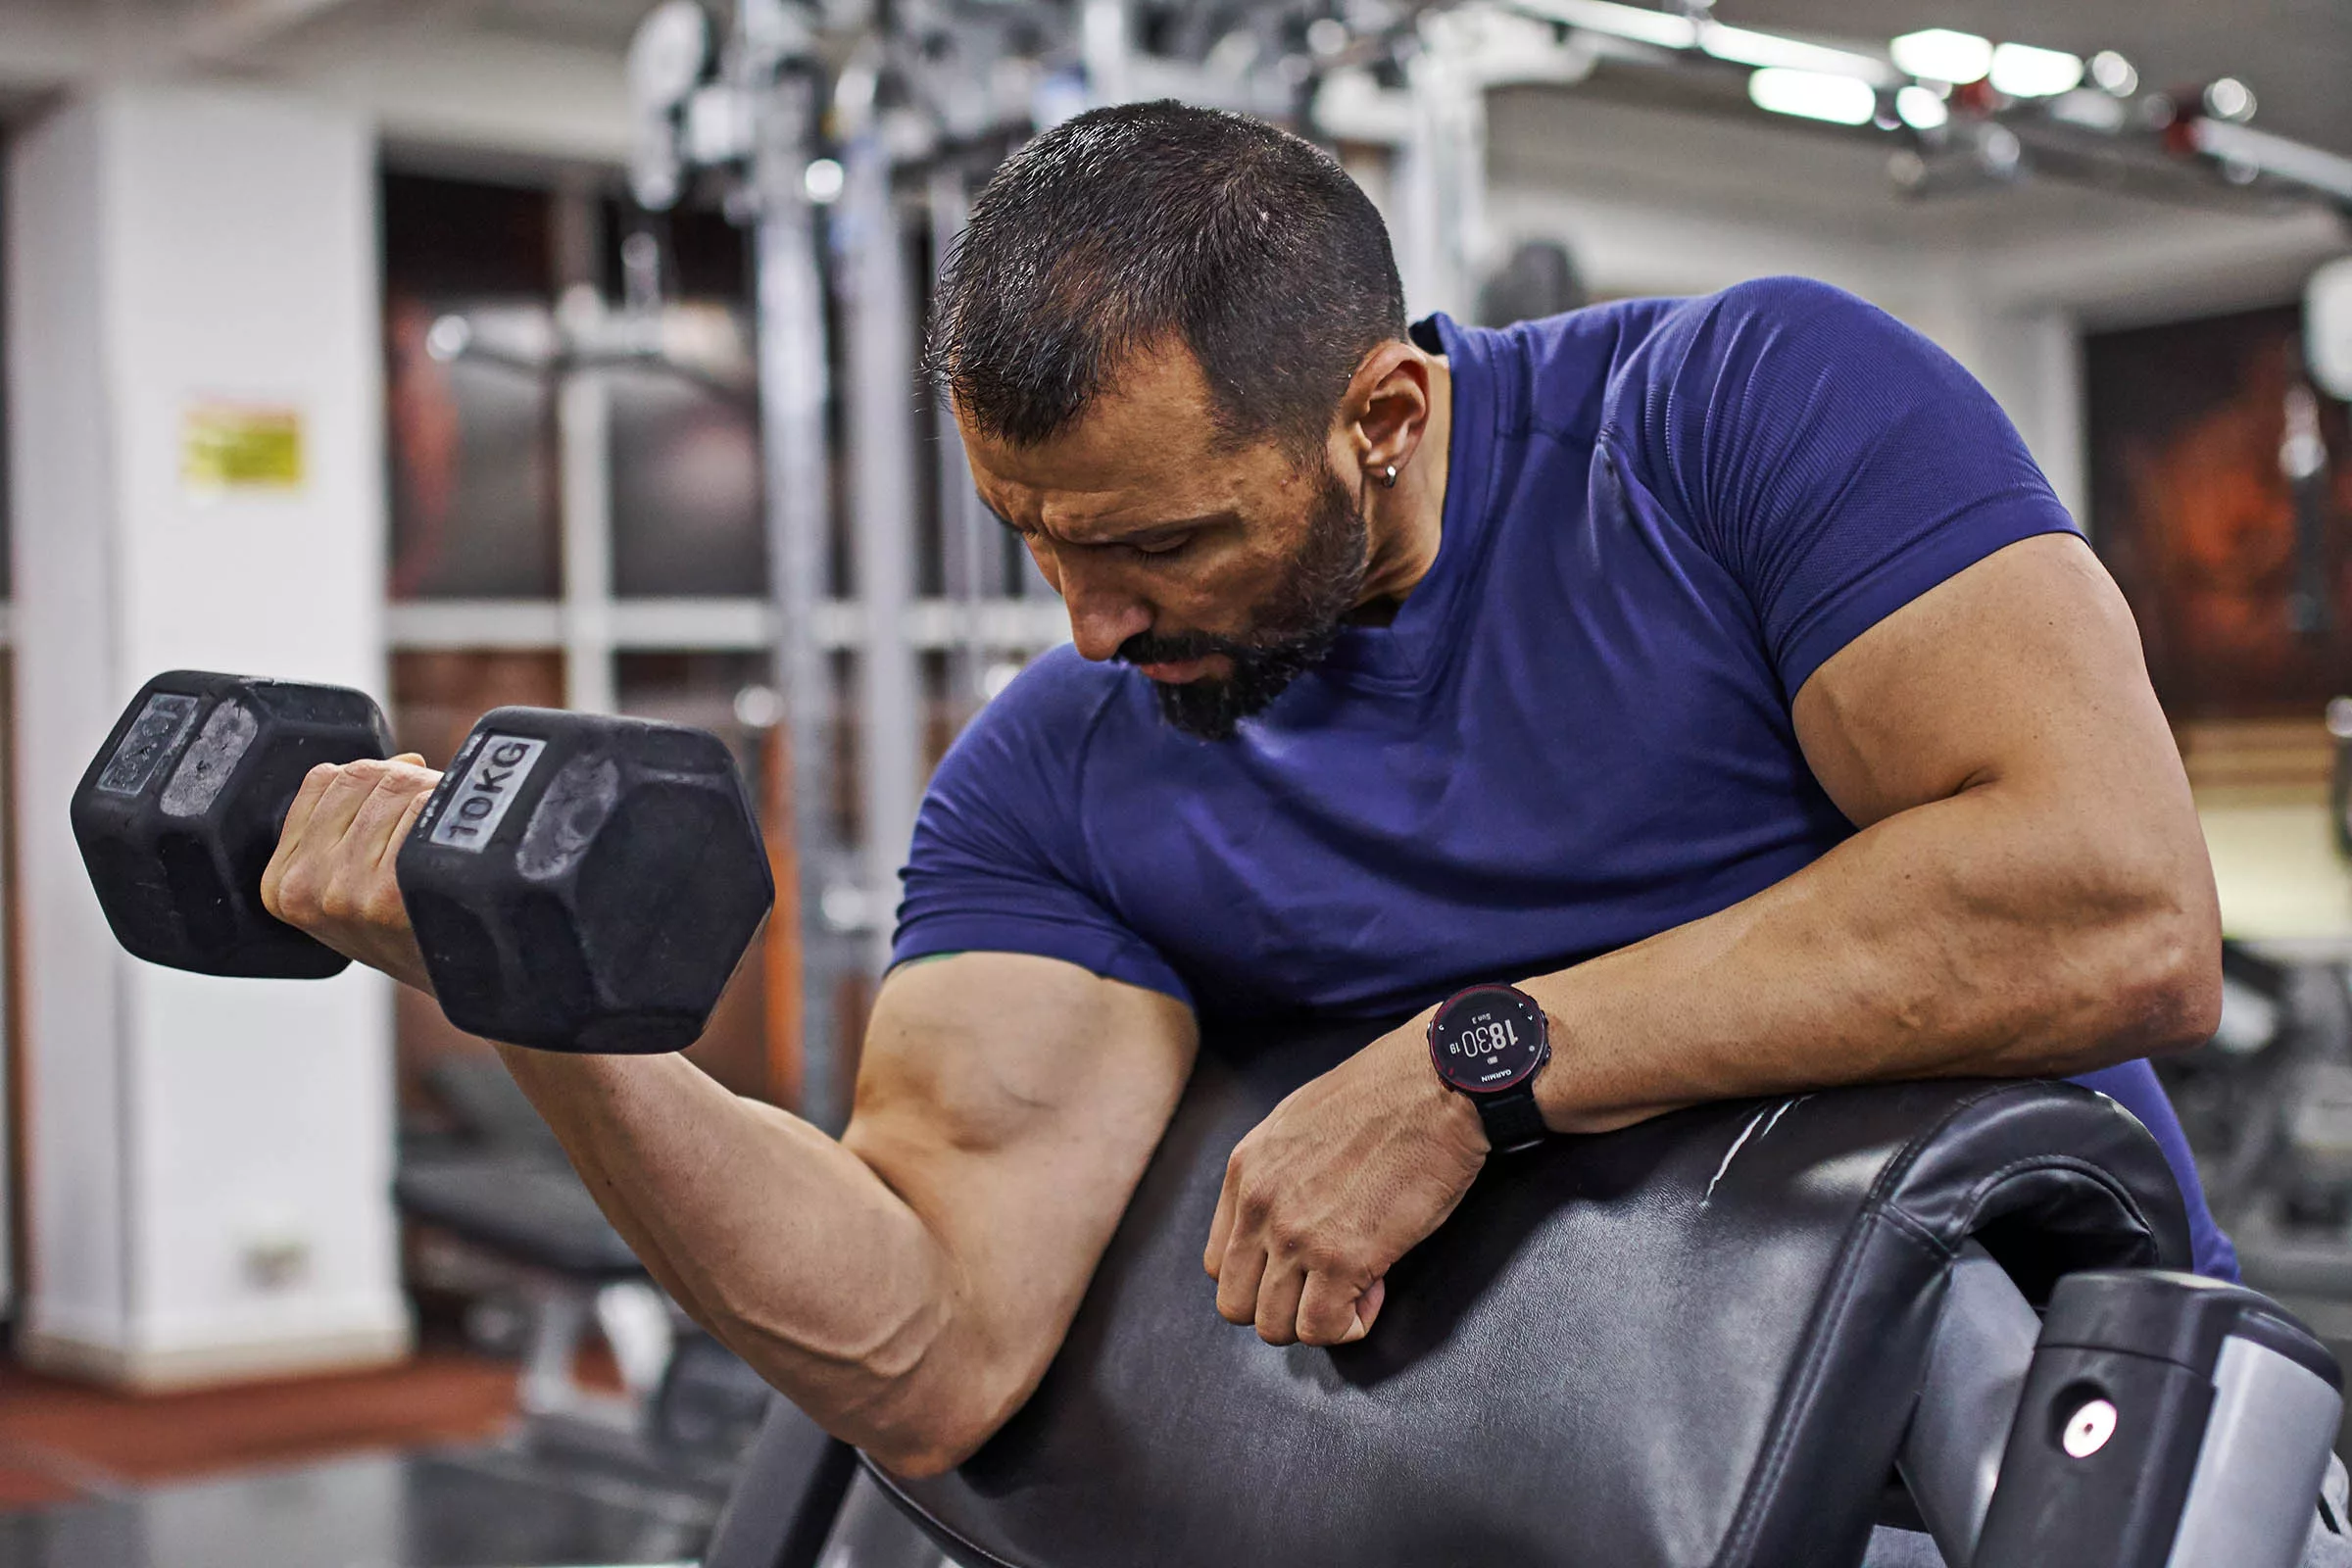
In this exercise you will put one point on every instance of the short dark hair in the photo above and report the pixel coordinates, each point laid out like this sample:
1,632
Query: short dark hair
1124,226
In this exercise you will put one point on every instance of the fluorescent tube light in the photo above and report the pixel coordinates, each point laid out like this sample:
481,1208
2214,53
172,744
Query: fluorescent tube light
2024,71
1814,95
1940,54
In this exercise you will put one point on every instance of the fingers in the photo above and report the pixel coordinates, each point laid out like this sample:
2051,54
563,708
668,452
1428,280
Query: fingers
347,823
331,816
391,802
1237,1277
1278,1302
1332,1311
314,785
1367,1306
400,831
295,879
1220,1228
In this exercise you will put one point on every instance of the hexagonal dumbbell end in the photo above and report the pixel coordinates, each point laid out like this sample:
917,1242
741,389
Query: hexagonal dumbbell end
179,812
585,883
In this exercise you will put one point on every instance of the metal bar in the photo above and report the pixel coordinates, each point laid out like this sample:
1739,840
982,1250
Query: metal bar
583,457
794,463
430,623
231,30
883,457
2325,173
1102,44
1977,1362
583,420
726,625
964,534
1439,182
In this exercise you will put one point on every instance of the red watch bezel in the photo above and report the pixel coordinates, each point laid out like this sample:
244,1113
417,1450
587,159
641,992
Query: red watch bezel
1536,1062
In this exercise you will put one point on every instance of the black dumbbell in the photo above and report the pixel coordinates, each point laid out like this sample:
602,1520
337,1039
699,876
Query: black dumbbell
575,883
585,883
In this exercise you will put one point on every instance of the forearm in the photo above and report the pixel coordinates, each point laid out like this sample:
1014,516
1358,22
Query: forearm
776,1238
1991,931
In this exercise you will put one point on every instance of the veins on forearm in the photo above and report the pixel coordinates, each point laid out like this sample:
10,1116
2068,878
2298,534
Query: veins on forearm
1974,934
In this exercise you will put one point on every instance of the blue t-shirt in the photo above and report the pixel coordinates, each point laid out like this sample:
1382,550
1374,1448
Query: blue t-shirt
1661,517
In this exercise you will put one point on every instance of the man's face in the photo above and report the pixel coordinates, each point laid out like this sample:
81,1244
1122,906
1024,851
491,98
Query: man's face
1221,572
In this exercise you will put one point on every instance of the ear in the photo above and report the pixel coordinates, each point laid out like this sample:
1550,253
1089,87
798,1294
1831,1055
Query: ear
1385,410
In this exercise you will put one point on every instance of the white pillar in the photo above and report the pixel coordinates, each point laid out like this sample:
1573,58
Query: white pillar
209,1160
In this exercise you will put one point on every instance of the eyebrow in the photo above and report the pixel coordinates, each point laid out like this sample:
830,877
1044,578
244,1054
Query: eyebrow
1151,534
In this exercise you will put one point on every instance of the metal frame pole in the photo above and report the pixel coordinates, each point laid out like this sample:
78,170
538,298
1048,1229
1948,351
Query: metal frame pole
963,532
797,466
884,458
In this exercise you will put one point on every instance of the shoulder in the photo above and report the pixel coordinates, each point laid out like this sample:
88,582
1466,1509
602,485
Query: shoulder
1791,323
1610,364
1773,360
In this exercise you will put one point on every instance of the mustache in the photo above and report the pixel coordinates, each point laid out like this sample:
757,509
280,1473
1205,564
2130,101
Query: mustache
1177,648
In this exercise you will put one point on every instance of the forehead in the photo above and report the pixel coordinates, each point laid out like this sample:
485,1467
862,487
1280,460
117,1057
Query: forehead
1147,446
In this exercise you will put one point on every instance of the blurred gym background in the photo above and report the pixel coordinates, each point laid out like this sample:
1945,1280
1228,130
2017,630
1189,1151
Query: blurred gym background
560,352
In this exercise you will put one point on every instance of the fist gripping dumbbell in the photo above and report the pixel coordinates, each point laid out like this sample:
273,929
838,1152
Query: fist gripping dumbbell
576,882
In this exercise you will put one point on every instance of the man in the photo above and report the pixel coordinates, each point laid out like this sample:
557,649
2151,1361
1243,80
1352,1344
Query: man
1721,672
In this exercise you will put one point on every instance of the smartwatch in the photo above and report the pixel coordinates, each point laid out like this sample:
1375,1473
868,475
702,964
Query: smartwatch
1487,1043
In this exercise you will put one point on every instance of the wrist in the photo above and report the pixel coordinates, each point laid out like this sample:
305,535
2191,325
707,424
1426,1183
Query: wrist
1451,1121
1486,1044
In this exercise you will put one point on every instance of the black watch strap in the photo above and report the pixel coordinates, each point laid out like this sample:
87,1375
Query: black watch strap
1512,1119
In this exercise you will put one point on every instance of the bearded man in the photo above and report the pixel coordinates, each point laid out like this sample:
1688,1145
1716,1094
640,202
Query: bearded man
1715,684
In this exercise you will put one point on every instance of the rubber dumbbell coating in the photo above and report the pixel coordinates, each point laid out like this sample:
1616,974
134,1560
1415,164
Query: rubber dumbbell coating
585,883
178,814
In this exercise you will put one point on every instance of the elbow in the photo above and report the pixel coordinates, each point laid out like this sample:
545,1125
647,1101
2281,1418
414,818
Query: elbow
936,1444
939,1412
2169,996
920,1458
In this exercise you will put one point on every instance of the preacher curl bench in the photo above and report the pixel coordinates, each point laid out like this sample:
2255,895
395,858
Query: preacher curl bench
1741,1335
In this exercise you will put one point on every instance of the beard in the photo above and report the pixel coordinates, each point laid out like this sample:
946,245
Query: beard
1288,635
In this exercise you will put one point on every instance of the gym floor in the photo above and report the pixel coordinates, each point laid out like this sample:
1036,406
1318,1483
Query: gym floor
411,1468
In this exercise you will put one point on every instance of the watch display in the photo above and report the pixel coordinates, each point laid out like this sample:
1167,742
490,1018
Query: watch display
1489,1039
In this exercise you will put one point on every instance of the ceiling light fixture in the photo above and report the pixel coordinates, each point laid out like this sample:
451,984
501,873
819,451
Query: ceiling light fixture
1920,109
2229,99
1940,53
1814,95
2115,75
2024,71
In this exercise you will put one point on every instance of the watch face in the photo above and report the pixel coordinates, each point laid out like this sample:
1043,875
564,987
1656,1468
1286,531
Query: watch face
1488,1039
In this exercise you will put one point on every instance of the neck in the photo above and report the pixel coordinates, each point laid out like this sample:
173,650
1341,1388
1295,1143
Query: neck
1405,524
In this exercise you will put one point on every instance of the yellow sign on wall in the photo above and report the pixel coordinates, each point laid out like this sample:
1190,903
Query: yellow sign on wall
240,446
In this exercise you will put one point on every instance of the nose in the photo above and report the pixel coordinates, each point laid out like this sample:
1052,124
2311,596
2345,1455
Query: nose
1103,615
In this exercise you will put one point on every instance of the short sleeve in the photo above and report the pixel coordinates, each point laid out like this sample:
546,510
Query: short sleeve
998,862
1834,461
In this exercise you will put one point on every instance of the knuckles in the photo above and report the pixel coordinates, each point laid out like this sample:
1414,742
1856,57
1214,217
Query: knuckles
297,899
382,905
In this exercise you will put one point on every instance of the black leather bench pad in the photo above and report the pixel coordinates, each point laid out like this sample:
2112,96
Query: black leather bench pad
1694,1341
